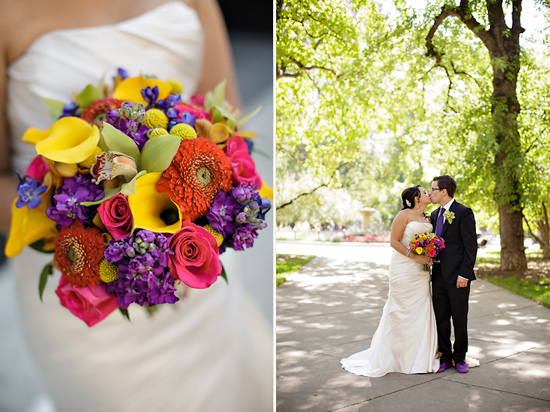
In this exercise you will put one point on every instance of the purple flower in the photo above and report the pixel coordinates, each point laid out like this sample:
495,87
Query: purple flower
222,213
189,118
150,95
244,236
244,193
70,109
144,276
123,73
29,191
66,206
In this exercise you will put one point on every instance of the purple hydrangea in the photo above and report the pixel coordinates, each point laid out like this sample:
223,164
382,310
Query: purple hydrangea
29,191
66,206
144,276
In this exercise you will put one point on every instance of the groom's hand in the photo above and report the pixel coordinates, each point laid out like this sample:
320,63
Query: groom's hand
461,282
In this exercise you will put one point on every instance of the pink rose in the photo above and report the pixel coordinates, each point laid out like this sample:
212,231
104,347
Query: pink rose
195,262
90,303
38,169
116,215
432,253
244,168
199,113
197,100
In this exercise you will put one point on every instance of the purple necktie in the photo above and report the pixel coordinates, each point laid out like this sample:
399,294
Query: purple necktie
440,222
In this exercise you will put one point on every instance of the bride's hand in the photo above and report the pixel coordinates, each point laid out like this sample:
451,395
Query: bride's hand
425,260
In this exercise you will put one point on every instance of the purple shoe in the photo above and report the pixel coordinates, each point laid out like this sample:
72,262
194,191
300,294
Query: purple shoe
444,366
461,367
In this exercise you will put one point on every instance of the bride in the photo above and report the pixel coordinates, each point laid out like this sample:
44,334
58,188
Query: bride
212,350
406,338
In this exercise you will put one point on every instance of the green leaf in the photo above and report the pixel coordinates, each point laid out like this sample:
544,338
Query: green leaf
55,106
158,152
224,275
219,94
130,187
249,116
39,246
109,192
89,95
47,271
220,113
125,313
116,141
208,100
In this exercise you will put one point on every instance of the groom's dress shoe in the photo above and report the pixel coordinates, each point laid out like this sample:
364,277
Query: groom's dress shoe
461,367
444,366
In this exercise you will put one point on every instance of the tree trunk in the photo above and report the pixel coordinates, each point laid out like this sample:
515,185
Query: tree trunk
504,51
502,43
512,254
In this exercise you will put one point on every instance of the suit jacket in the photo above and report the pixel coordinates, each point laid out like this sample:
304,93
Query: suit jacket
459,255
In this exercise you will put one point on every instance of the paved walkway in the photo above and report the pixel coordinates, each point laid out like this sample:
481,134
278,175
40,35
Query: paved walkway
331,307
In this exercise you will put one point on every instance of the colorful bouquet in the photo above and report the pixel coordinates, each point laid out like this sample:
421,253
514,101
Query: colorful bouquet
426,244
136,193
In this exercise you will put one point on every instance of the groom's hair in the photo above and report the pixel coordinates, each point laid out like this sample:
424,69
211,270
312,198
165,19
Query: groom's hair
446,182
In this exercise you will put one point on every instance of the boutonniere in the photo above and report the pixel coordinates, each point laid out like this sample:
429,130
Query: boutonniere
449,216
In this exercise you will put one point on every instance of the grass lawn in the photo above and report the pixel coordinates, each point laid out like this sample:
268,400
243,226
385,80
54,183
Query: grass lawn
534,283
286,264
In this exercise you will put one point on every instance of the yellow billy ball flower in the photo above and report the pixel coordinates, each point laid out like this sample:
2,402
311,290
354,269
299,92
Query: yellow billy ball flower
157,131
184,131
107,272
177,87
155,118
217,235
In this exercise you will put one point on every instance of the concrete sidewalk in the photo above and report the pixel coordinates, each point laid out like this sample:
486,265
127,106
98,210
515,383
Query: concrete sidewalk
331,308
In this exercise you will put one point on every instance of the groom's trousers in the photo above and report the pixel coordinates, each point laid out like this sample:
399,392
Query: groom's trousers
450,303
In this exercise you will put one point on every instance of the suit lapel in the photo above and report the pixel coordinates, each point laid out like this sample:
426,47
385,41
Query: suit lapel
454,206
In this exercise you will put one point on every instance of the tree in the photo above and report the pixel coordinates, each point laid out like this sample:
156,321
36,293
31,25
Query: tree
406,117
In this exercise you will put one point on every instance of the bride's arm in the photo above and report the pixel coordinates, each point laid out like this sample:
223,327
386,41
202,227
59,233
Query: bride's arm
217,63
397,230
8,181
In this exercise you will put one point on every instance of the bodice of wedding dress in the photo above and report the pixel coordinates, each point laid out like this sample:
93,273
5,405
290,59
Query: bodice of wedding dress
166,42
212,350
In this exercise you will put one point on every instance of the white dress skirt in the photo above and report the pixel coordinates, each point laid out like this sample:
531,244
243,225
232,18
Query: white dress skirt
212,350
406,338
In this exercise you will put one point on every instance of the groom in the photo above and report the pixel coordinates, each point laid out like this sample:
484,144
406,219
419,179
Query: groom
452,272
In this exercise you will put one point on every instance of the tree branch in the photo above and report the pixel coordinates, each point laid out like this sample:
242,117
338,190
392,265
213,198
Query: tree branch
516,23
315,189
539,241
465,15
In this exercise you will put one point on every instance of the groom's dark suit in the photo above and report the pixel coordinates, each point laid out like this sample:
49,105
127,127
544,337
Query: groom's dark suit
456,259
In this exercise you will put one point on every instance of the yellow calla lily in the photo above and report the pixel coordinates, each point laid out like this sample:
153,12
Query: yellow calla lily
33,135
149,207
266,191
28,226
130,89
69,140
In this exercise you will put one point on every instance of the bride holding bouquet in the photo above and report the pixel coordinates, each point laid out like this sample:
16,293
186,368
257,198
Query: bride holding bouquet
211,351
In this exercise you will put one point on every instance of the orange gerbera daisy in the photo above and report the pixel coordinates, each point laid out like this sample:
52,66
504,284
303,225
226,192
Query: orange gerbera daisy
78,251
95,113
198,171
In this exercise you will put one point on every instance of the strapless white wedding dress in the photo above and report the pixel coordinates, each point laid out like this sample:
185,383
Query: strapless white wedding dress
406,338
212,350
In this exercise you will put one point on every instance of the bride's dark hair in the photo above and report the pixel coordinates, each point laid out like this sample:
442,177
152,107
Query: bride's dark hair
408,195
